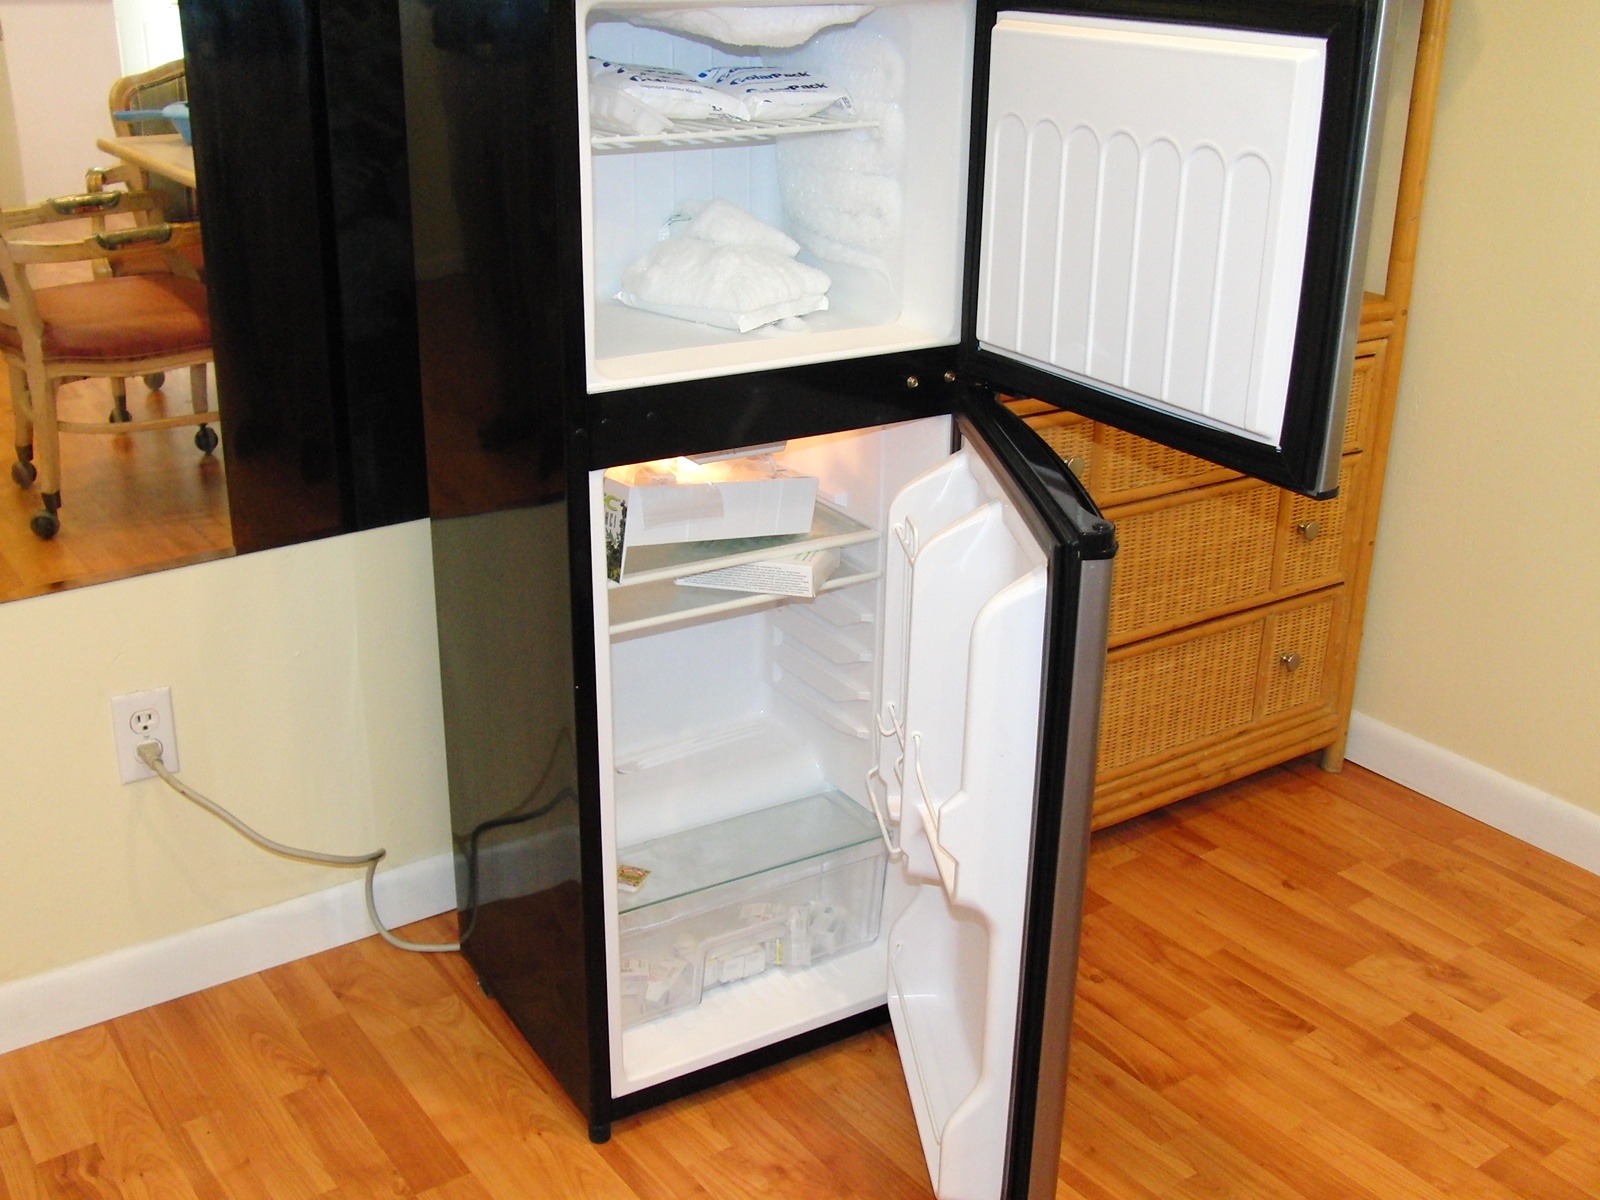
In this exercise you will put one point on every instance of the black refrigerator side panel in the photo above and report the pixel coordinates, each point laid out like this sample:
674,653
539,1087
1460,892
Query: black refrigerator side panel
506,668
494,177
300,152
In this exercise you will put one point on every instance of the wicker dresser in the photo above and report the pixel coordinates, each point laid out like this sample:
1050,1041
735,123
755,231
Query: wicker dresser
1236,607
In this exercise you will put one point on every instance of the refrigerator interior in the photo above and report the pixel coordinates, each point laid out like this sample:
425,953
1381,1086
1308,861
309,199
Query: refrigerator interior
713,718
877,203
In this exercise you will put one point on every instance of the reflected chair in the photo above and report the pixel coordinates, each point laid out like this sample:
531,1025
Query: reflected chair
147,90
108,326
150,89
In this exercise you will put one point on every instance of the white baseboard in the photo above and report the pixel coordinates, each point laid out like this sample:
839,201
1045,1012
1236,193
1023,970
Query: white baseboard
126,980
1564,829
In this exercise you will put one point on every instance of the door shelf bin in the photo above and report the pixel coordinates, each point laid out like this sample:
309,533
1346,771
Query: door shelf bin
781,888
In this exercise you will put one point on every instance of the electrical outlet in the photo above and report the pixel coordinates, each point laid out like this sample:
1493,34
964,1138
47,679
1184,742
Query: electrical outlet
143,717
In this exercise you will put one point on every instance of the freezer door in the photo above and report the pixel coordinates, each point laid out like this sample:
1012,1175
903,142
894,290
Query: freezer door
997,612
1167,216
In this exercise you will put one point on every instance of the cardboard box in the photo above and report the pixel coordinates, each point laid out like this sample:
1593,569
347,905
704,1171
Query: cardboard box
679,500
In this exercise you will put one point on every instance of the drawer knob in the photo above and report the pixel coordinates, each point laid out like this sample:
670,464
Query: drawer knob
1291,661
1078,464
1310,530
913,382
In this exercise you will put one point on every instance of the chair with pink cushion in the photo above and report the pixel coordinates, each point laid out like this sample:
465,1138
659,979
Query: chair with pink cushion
111,325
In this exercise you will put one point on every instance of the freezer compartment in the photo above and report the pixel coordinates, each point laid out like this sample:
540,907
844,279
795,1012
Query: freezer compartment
781,889
872,192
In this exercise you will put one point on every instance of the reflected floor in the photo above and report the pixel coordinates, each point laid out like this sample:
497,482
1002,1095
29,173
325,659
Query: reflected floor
131,503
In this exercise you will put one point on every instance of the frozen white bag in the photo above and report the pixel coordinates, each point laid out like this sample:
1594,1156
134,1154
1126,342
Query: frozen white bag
671,94
771,93
727,268
725,224
731,287
613,110
776,27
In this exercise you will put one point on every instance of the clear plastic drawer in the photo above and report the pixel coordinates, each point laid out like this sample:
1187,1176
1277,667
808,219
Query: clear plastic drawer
778,889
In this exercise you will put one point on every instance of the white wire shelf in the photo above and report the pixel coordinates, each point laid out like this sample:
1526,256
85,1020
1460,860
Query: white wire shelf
714,131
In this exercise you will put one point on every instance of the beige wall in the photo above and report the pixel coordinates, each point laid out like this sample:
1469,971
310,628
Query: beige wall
305,687
11,191
62,59
1483,633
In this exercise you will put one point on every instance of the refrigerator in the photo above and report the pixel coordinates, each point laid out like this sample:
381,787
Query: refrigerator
702,829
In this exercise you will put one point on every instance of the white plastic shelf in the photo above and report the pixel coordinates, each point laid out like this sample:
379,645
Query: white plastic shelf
654,605
647,597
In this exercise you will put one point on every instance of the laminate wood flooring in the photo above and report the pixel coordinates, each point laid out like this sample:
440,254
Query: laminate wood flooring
1303,985
130,502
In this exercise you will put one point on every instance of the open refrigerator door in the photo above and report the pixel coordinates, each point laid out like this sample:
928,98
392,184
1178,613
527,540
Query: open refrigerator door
991,834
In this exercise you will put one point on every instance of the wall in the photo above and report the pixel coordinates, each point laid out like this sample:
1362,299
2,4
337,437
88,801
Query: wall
11,193
1482,635
305,685
62,59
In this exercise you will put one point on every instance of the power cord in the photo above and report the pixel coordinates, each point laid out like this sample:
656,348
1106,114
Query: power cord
150,754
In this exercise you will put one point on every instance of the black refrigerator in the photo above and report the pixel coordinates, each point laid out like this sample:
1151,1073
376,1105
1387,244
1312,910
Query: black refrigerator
701,829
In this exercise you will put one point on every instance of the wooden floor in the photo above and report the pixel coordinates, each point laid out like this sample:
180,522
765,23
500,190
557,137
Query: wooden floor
130,502
1302,986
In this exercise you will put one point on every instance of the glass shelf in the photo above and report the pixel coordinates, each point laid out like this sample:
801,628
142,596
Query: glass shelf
718,132
696,860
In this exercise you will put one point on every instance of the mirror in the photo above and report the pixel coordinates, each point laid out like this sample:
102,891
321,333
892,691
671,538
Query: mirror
301,187
483,237
131,502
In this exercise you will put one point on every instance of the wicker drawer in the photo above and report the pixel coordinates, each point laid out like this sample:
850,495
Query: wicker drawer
1296,660
1316,549
1115,466
1201,554
1170,695
1121,468
1183,558
1366,385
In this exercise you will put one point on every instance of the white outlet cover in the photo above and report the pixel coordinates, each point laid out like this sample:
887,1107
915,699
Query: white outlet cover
138,717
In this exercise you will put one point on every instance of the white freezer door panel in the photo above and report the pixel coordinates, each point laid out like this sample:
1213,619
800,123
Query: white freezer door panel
1147,196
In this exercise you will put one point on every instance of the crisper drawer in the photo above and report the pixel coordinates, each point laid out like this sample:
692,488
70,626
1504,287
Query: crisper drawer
1170,695
778,889
1197,555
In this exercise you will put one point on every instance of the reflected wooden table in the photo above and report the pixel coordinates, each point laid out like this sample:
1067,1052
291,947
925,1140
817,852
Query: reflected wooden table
164,154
